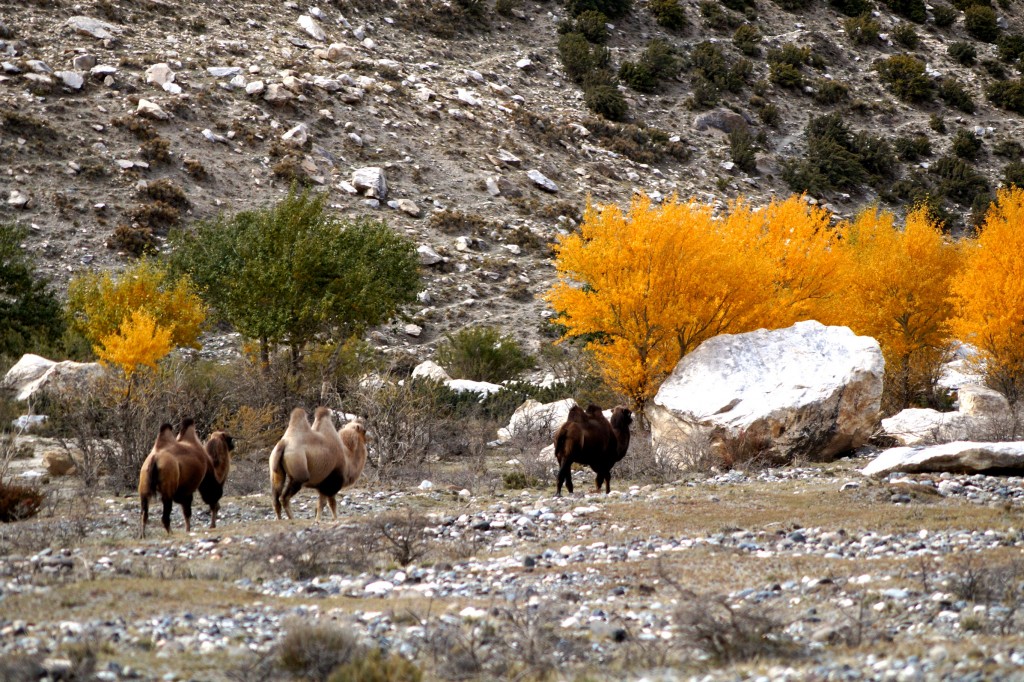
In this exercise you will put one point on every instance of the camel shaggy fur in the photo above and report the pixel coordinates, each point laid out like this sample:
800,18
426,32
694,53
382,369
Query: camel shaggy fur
587,437
315,456
177,467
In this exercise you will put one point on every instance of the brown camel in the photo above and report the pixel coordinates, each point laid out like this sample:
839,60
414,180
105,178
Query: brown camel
588,438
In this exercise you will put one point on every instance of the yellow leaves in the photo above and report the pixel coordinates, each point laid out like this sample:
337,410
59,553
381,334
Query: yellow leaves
895,287
138,341
99,303
989,292
656,282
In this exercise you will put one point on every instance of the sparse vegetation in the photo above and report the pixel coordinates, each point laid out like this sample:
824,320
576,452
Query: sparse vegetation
669,13
981,22
482,354
906,77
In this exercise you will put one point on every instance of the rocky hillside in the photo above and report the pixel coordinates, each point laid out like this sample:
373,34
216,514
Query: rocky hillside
120,120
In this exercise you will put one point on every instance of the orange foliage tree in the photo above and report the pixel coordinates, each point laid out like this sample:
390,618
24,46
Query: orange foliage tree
989,295
895,287
138,341
650,285
105,309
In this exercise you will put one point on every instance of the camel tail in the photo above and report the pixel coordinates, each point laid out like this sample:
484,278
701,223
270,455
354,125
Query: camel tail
560,444
277,472
149,479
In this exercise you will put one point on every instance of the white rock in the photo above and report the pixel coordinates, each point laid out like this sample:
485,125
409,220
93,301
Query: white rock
983,413
255,88
426,485
338,51
484,388
958,456
807,390
428,256
533,416
472,613
467,97
172,88
310,26
83,62
429,369
224,71
413,330
71,79
297,136
380,588
92,27
159,74
525,64
17,199
542,181
151,110
33,374
277,93
371,182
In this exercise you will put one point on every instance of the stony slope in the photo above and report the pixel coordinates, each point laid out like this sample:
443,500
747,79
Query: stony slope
456,107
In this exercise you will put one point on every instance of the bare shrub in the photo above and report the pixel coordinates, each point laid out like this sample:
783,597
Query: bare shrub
313,651
999,586
643,462
729,633
311,552
402,536
21,668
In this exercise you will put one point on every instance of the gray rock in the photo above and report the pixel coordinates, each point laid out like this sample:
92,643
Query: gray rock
92,27
428,256
151,110
277,93
297,136
311,27
722,119
71,79
958,456
83,62
159,74
542,181
16,199
371,182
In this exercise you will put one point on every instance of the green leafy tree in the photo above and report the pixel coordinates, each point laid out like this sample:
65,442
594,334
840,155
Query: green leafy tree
290,274
30,314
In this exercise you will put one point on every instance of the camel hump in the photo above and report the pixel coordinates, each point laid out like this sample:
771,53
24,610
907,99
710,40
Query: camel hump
165,437
323,415
576,414
594,410
187,432
298,419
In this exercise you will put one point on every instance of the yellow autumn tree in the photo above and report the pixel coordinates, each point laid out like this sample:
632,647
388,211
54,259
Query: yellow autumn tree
650,285
139,341
895,287
989,295
99,303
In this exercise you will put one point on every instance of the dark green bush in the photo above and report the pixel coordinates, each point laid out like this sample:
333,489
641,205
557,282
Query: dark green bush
853,8
905,35
1009,149
981,23
137,240
1007,95
963,5
661,58
875,155
579,57
718,17
937,123
18,502
862,30
912,147
593,26
944,15
743,150
668,13
766,111
794,5
791,54
1013,174
952,92
610,8
906,77
638,76
708,61
964,53
958,181
785,75
747,40
1011,46
31,313
909,9
606,100
994,68
830,92
966,145
482,354
839,159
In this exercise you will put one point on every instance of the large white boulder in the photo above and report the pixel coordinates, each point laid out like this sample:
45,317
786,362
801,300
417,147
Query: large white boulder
533,416
958,457
431,370
33,374
983,413
428,369
805,391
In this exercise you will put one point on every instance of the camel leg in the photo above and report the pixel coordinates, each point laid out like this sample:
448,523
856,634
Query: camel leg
145,515
214,508
608,482
320,502
186,509
564,476
275,496
286,497
333,503
598,481
165,518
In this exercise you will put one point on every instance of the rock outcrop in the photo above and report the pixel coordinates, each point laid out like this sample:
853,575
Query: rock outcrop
956,457
982,414
807,391
33,374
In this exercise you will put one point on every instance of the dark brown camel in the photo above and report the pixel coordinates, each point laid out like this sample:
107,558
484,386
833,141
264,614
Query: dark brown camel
588,438
177,467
